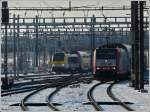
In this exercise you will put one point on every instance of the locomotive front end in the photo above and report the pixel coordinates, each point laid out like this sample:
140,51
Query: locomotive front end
105,63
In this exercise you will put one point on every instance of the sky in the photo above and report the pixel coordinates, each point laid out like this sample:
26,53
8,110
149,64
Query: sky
65,3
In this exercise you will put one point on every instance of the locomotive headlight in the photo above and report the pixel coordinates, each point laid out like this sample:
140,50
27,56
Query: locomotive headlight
113,68
62,64
98,68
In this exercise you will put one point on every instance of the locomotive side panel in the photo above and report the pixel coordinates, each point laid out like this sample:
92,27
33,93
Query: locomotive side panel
123,65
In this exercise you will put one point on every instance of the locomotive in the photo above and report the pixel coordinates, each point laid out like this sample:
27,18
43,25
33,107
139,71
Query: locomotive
111,62
59,63
77,61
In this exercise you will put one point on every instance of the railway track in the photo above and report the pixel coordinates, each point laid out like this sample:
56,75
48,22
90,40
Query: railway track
91,98
113,97
54,83
74,80
58,84
39,81
110,94
19,91
28,86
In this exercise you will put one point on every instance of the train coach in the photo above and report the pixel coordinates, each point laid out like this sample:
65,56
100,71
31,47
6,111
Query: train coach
84,59
112,62
73,62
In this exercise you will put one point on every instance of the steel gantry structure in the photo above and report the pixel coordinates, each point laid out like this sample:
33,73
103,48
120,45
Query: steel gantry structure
64,28
45,35
70,32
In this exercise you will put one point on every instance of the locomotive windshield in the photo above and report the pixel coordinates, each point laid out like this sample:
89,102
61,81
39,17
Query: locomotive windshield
105,54
106,57
59,57
73,59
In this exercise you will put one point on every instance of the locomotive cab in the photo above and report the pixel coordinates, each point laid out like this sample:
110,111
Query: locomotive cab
105,63
59,62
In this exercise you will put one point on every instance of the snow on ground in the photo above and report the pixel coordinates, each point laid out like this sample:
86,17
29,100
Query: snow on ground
72,98
42,95
12,99
126,93
101,96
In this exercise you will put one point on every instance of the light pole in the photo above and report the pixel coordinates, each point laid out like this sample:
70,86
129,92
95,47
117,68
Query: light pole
93,20
5,57
149,46
5,21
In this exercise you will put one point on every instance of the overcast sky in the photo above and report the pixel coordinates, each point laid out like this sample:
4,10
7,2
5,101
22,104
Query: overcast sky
65,3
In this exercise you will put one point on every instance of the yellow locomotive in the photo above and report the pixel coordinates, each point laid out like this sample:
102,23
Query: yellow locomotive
59,62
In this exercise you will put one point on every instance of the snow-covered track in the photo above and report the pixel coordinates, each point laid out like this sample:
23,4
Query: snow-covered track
92,100
72,80
52,84
29,86
20,90
113,97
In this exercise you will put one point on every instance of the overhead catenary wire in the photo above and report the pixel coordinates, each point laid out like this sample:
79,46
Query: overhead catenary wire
80,8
